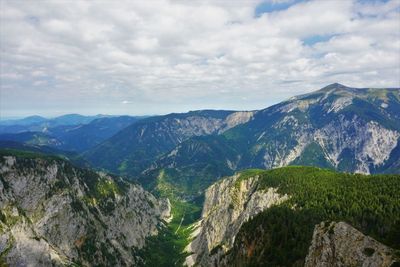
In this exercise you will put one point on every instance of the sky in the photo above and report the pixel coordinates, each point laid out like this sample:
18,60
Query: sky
156,57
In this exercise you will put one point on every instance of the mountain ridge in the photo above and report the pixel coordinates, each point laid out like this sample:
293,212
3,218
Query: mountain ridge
354,134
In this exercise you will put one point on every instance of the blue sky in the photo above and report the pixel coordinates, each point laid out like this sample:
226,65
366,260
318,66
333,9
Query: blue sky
156,57
273,6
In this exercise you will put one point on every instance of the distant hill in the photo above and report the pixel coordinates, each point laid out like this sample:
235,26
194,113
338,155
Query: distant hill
71,136
25,121
39,124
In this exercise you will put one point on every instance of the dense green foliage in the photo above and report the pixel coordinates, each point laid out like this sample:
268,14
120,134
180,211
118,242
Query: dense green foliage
281,235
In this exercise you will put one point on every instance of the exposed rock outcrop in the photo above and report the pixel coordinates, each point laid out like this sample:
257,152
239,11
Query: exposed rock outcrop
235,119
54,214
228,204
338,244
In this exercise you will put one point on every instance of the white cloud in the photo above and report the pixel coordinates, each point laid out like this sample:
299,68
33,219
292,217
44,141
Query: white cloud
177,55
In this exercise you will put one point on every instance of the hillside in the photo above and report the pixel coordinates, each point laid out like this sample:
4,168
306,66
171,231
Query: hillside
135,148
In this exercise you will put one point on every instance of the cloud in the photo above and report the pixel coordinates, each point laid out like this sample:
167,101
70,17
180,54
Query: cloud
82,56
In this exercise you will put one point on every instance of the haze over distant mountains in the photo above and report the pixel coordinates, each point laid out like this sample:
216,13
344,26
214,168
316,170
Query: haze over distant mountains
71,132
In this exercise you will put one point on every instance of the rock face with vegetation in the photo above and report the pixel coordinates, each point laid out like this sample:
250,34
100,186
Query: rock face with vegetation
340,244
228,204
55,214
267,218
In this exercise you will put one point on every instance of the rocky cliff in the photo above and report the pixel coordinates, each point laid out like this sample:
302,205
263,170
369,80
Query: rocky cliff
54,214
339,244
228,204
267,218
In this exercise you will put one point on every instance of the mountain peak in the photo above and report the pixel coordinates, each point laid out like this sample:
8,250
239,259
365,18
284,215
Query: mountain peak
334,86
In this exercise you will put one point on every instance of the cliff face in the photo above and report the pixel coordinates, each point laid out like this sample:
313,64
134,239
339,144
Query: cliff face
228,204
339,244
55,214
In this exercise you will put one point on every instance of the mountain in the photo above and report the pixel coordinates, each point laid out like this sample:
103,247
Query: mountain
337,127
73,137
25,121
276,218
84,136
54,214
41,124
348,129
72,119
133,149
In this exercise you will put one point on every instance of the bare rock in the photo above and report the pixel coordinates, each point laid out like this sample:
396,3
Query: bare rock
338,244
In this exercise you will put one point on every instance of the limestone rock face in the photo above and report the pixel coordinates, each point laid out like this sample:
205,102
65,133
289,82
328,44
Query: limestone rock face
339,244
55,214
228,204
235,119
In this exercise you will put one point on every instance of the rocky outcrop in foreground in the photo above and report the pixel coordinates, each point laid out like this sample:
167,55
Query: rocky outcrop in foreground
228,204
340,244
53,214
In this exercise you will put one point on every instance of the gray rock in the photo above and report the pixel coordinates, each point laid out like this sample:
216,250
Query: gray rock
54,214
228,204
338,244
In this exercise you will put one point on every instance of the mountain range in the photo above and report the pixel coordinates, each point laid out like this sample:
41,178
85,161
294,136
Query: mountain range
310,181
337,127
70,132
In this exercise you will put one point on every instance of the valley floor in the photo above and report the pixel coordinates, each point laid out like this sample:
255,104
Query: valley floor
166,249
